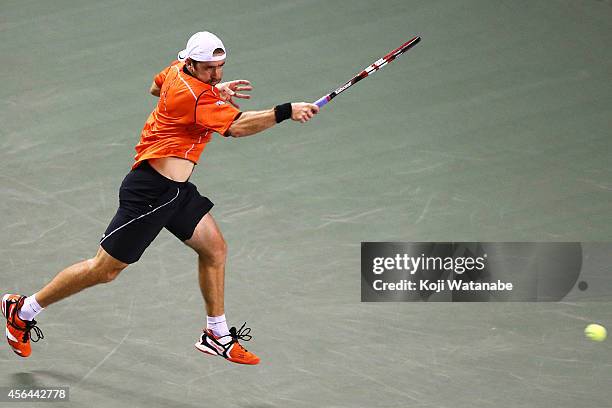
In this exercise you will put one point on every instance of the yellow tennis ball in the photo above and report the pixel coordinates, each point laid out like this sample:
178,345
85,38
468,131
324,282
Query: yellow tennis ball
596,332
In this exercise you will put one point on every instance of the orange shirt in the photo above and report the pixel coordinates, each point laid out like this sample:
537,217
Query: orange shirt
186,115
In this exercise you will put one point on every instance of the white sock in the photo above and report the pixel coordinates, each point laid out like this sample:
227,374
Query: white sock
30,308
217,325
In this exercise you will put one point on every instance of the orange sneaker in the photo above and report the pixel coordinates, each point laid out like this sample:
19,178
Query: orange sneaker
230,350
18,330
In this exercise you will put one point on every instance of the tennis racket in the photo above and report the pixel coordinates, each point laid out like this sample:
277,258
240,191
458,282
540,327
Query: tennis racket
378,64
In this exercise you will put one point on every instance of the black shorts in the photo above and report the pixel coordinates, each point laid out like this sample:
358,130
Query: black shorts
149,202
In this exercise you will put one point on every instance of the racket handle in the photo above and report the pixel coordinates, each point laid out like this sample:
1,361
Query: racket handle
322,101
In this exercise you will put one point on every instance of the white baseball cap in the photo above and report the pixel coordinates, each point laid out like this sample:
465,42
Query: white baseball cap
201,46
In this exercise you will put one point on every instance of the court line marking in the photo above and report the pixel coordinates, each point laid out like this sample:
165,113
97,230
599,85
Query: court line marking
110,354
50,196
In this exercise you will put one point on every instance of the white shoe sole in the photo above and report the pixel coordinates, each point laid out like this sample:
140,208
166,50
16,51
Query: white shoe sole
205,349
4,298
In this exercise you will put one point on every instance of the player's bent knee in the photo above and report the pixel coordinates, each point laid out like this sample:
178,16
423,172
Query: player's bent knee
221,252
215,252
111,275
220,249
104,272
105,268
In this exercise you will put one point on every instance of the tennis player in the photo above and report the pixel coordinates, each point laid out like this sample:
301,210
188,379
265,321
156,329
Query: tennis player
193,104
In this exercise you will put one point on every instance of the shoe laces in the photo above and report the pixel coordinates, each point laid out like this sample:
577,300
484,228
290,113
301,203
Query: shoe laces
240,334
29,325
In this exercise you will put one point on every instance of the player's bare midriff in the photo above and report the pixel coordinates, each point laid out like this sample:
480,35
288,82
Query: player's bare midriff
174,168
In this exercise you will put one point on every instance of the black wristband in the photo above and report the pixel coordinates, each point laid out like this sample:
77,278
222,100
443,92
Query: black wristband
282,112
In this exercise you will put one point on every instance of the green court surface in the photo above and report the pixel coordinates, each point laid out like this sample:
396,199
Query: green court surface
496,127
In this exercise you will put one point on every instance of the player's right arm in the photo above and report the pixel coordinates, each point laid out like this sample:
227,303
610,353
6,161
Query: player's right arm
252,122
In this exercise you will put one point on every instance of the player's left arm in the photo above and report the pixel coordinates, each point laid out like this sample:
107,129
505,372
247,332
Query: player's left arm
159,79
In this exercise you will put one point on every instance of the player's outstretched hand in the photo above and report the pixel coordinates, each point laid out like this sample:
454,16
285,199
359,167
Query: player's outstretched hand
303,111
230,90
